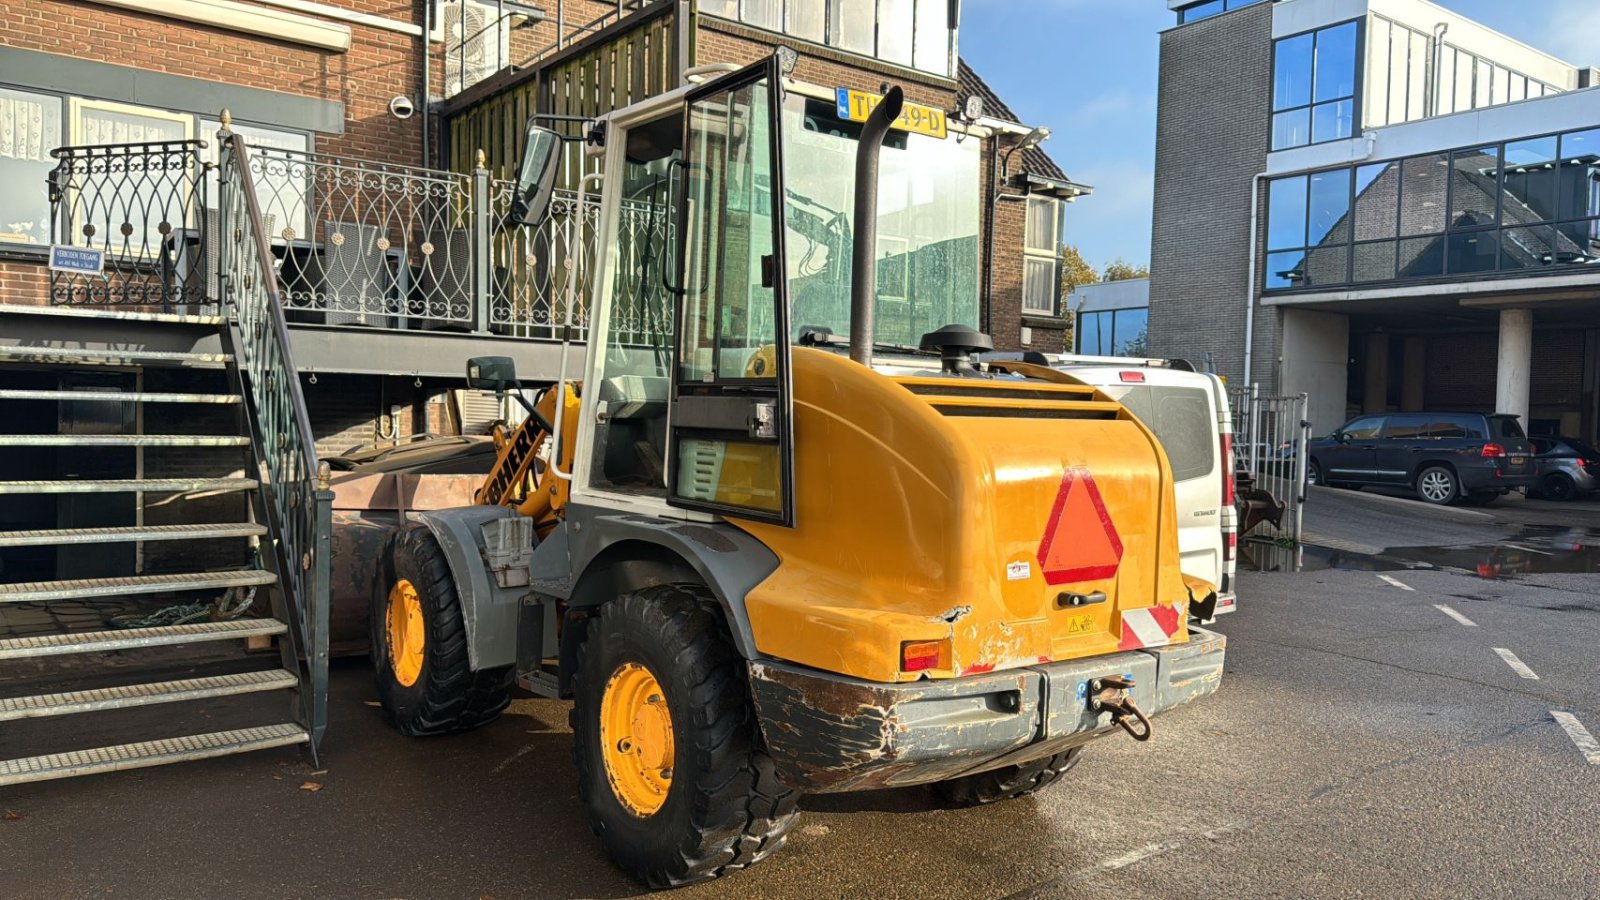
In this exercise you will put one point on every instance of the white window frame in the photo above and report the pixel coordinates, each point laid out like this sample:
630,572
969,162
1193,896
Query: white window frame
1036,253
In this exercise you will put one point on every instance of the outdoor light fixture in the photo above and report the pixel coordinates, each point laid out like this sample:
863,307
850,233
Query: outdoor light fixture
788,58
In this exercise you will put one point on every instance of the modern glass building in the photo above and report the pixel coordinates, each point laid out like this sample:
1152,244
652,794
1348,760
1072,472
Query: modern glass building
1392,207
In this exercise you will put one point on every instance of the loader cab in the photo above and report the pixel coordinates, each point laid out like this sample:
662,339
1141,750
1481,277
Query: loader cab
687,396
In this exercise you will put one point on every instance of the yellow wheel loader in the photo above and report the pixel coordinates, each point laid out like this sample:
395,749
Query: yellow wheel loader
764,554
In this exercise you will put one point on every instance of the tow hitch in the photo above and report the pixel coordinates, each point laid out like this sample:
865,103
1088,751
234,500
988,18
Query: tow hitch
1110,694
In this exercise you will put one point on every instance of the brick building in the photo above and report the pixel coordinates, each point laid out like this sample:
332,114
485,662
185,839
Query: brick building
341,100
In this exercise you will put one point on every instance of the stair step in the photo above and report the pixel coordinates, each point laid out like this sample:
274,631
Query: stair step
148,485
46,537
114,356
122,697
136,638
123,440
90,588
149,753
121,396
79,312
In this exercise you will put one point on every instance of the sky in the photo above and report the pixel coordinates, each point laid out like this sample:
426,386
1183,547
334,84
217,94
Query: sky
1086,69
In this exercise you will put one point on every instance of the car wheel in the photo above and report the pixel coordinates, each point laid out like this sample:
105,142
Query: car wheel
1438,485
1557,486
1481,498
1313,473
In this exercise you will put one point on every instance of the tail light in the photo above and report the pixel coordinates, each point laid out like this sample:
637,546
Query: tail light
1132,377
916,656
1493,451
1227,469
1230,546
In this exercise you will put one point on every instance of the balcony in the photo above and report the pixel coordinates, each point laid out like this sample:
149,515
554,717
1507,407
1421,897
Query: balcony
381,269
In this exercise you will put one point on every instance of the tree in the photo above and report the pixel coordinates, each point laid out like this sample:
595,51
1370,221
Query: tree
1075,272
1122,270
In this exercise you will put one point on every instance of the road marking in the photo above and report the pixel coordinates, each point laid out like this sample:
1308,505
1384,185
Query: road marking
1397,583
1455,615
1587,745
1517,665
1525,548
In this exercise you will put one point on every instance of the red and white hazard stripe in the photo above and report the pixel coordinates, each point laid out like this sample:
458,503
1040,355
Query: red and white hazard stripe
1153,626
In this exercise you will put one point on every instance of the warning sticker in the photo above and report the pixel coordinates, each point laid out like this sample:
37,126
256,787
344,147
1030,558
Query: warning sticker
1019,571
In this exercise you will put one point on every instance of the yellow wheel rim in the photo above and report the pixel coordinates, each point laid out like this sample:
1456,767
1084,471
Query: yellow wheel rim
636,739
407,639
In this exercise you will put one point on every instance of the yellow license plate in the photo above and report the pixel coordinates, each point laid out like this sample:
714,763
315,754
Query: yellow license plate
855,106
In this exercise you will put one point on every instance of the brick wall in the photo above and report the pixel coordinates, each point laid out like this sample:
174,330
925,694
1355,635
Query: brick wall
1212,138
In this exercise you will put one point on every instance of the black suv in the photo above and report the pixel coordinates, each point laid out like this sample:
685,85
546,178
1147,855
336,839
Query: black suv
1444,457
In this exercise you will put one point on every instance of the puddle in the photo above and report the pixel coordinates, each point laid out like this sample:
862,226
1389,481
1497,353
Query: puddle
1534,551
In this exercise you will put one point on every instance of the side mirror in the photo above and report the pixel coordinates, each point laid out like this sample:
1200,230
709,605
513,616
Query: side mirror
491,373
536,178
1341,437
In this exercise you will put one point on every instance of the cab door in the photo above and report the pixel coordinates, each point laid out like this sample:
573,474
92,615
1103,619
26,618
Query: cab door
731,408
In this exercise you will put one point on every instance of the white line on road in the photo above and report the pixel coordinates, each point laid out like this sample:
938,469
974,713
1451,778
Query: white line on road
1455,615
1587,745
1397,583
1517,665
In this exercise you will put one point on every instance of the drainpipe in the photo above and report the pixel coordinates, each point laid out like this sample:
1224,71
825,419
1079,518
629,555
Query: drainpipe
1439,31
864,252
1250,305
427,81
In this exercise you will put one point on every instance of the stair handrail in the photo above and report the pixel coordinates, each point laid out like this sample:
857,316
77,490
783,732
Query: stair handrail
294,485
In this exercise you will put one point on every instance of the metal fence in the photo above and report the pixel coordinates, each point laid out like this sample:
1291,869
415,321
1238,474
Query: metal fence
141,206
1271,443
350,243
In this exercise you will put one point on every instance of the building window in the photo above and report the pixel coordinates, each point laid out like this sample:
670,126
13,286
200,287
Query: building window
30,127
1521,206
1410,76
1194,12
1114,332
1314,86
913,33
1041,263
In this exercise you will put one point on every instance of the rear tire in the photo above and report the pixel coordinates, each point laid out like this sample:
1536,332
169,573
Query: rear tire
425,682
1559,487
1438,485
1481,498
1008,782
722,807
1314,474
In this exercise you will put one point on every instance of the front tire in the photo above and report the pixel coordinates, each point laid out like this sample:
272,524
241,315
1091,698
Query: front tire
1008,782
419,644
669,755
1438,485
1314,474
1557,486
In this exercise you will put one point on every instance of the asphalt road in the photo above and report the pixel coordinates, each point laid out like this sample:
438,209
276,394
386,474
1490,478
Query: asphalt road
1364,743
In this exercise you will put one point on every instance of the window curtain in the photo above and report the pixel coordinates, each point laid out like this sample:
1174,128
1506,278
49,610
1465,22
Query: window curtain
23,131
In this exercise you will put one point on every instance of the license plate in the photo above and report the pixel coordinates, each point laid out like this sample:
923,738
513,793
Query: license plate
1519,461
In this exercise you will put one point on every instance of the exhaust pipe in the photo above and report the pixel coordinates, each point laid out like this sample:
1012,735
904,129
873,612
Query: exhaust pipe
864,253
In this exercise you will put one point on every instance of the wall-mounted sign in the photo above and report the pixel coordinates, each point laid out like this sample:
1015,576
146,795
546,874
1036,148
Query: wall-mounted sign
77,260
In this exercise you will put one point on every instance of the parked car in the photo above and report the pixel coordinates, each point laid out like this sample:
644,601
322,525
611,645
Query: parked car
1564,468
1190,415
1445,457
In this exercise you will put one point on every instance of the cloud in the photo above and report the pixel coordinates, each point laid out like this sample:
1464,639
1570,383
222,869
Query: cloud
1114,222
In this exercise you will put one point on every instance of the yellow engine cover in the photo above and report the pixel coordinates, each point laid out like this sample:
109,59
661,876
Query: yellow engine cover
990,514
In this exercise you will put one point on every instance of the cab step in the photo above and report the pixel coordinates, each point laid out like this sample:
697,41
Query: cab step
121,396
90,588
149,753
148,485
123,440
112,356
46,537
73,702
137,638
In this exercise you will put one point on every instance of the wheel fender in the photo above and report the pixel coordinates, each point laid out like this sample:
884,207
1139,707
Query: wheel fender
728,561
488,610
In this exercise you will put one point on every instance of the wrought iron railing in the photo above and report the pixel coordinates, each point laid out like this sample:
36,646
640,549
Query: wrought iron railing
295,495
142,206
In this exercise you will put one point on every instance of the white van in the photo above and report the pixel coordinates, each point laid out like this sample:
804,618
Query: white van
1189,413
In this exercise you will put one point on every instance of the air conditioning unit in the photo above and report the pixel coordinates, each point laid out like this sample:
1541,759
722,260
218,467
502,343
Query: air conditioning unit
477,43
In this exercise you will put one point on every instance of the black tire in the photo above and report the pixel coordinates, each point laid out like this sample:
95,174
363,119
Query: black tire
1438,485
1007,783
1558,486
724,808
447,696
1314,473
1481,498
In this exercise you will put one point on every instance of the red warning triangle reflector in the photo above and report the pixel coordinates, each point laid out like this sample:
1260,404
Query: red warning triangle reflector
1080,541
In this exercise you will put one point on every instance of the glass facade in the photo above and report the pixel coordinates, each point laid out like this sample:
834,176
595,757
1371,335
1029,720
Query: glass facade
1114,332
1522,206
913,33
1194,12
1314,86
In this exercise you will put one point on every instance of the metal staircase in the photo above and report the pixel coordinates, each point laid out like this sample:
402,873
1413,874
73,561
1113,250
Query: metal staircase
191,524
